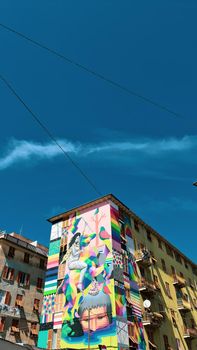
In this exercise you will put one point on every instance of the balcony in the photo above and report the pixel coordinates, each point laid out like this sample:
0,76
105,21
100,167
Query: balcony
178,281
6,310
146,286
183,305
143,257
190,332
152,319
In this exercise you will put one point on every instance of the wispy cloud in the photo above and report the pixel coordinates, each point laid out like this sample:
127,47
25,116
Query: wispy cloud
21,150
18,151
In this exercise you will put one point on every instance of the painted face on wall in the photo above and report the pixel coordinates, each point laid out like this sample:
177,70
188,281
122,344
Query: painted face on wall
94,319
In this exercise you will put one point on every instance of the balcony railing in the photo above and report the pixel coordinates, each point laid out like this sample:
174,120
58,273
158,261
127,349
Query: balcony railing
183,304
190,332
6,310
15,312
147,286
144,257
178,281
152,319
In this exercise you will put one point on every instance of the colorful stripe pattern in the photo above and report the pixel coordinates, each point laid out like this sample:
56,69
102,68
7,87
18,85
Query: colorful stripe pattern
50,286
57,320
48,308
115,227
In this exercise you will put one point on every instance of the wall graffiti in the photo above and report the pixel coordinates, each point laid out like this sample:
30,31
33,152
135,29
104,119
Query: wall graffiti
88,284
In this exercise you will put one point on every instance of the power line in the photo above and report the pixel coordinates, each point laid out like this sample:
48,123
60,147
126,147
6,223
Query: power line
50,135
93,72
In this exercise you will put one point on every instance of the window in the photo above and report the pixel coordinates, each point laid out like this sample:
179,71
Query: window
186,297
7,298
169,250
142,272
173,317
168,289
36,305
122,229
173,270
181,274
190,283
156,280
163,265
8,273
63,248
150,336
160,306
159,243
15,326
19,300
149,235
2,324
34,331
178,257
26,258
192,322
186,265
23,279
39,283
125,263
11,252
42,264
165,340
136,225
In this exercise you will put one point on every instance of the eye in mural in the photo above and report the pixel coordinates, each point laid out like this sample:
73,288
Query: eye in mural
88,285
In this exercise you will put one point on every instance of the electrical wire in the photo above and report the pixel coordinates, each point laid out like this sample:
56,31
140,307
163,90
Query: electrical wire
92,72
50,135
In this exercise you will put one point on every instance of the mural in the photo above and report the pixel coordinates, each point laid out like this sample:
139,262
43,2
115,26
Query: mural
88,285
91,295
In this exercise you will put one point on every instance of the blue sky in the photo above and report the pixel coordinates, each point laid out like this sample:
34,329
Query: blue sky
143,155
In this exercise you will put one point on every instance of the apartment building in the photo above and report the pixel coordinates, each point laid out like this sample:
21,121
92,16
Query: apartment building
22,271
113,281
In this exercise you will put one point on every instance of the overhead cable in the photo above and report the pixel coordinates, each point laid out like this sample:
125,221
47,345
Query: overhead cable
93,72
50,135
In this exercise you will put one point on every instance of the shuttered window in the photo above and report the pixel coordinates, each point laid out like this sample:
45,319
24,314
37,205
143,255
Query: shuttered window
23,279
36,305
7,298
2,324
19,300
34,329
11,252
8,273
39,284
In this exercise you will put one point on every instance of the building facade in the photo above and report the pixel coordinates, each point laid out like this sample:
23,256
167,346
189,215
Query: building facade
113,281
22,271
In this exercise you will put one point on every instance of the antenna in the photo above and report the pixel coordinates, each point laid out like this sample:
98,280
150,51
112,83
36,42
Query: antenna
21,230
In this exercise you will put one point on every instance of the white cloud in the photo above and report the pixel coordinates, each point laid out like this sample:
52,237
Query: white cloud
26,150
21,150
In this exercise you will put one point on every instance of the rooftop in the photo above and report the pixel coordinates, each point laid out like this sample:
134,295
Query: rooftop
111,197
25,243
